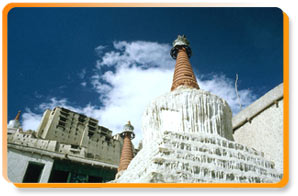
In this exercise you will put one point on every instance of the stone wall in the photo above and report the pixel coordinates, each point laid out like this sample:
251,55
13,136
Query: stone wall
260,126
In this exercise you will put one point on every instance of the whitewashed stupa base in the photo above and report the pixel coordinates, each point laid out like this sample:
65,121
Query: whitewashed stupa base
188,139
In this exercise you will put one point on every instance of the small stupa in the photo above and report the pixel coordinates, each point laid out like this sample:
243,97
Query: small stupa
127,149
188,137
14,124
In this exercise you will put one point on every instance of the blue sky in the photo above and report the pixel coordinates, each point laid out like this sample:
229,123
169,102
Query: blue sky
110,62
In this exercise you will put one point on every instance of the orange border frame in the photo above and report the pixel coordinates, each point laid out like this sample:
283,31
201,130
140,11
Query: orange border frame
280,184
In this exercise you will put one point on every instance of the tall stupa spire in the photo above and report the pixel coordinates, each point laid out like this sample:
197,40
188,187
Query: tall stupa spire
127,149
18,115
183,75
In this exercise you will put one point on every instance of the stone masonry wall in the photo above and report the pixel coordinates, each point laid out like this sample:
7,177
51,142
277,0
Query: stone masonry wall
262,126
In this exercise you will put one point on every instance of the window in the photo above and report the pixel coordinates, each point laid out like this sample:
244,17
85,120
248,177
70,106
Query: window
92,124
60,123
62,119
74,146
90,133
59,176
91,128
33,172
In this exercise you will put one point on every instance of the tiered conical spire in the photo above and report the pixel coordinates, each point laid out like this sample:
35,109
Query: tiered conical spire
127,149
18,115
183,75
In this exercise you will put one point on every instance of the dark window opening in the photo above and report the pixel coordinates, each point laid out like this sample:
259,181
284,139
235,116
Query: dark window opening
104,130
74,146
64,114
90,155
90,133
94,179
33,172
94,121
64,171
91,128
80,124
61,123
65,110
107,139
59,176
82,118
92,124
62,119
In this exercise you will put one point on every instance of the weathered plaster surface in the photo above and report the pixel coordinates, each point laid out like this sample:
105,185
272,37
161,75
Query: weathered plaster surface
264,130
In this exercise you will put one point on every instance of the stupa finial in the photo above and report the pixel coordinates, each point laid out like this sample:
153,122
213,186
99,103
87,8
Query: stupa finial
183,75
181,40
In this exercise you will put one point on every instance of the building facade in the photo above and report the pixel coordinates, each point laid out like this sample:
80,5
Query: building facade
67,147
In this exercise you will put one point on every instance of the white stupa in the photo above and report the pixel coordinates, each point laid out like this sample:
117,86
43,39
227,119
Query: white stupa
188,137
14,125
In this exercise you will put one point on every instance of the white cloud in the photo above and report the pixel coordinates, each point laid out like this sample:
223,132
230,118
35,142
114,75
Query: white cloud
99,49
30,120
133,89
83,84
141,53
53,103
224,87
128,78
